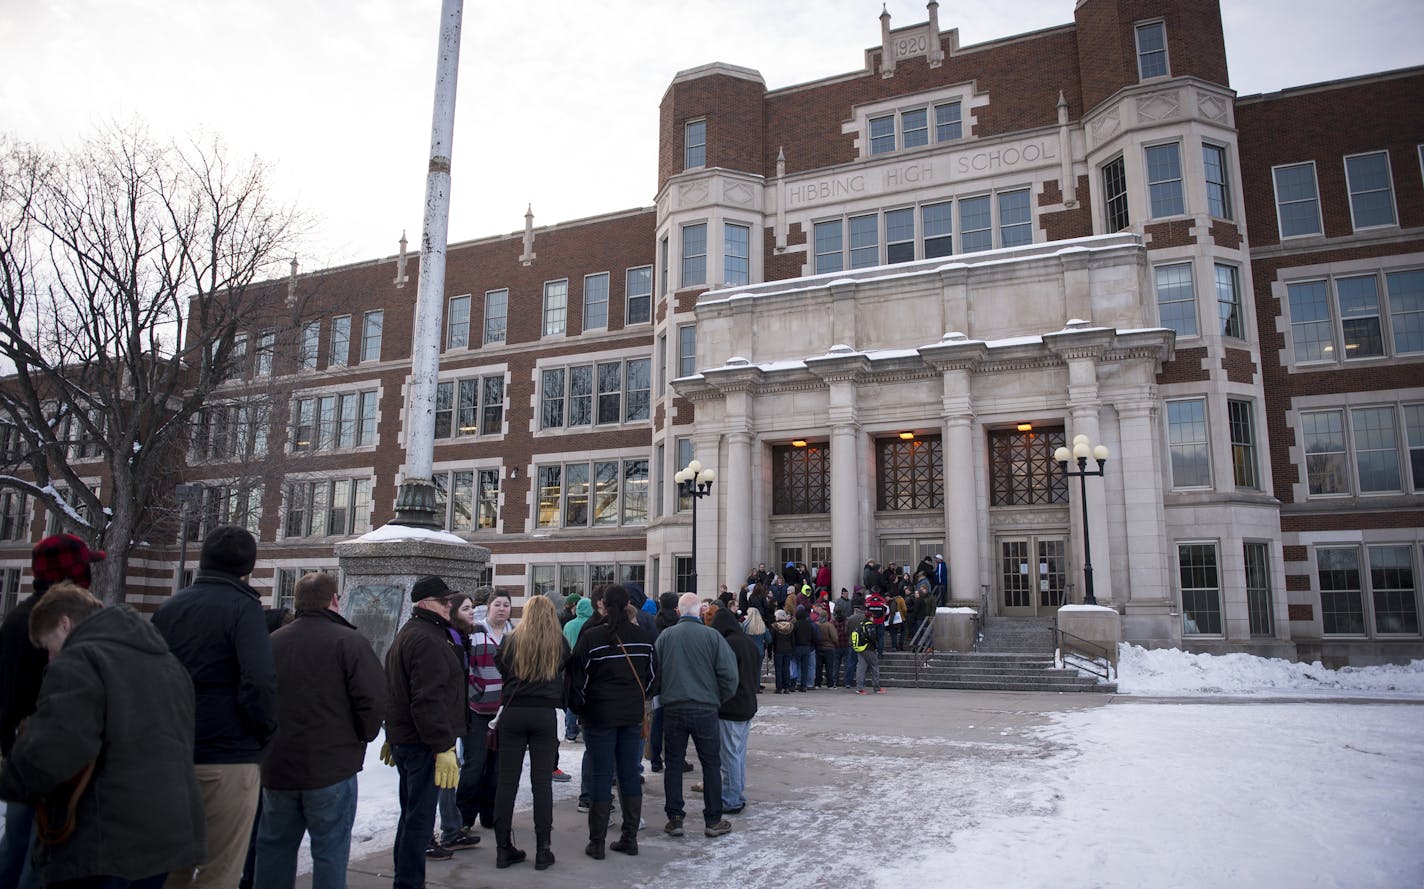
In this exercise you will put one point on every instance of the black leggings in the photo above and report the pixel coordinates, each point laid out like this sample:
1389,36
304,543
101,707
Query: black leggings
534,729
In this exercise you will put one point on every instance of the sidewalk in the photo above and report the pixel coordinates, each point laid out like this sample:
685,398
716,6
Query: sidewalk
812,759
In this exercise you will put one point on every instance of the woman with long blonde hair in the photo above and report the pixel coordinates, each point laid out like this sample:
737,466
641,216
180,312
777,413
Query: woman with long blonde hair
531,661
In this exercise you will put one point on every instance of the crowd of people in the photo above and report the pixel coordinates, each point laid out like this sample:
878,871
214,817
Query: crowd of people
223,735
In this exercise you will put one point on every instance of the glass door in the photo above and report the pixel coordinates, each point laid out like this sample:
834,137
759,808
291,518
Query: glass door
1032,574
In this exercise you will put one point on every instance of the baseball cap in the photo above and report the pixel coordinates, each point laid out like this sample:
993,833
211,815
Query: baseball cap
62,557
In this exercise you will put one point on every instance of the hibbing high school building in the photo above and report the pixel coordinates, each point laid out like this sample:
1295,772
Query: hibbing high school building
876,303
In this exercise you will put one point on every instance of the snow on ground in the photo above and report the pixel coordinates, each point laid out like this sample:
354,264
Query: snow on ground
1173,672
1189,795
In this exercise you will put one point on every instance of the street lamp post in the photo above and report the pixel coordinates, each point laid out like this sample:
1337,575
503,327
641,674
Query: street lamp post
694,482
1082,448
186,494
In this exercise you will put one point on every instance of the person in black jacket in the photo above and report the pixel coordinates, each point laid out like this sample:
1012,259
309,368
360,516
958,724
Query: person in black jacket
57,558
610,677
330,703
532,661
734,717
426,707
803,636
216,629
113,698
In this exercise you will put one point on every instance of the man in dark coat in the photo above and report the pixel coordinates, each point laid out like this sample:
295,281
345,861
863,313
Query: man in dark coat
331,699
54,559
113,697
426,710
734,717
217,630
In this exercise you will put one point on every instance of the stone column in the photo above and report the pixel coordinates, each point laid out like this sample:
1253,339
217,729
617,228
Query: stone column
1142,504
1084,404
961,511
845,516
738,482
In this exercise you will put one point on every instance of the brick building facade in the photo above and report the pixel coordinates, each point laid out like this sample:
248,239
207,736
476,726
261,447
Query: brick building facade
877,302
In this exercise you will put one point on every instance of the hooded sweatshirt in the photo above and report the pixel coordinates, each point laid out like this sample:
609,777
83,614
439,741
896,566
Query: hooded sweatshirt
582,612
782,641
742,705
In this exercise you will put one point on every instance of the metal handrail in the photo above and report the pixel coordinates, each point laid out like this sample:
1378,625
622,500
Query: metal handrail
1100,660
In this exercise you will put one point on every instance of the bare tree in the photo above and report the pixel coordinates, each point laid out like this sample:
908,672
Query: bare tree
128,273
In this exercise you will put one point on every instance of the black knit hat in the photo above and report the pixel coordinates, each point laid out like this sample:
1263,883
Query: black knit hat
229,549
429,587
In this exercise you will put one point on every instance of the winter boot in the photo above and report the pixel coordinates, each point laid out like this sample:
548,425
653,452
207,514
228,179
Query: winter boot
632,807
505,853
544,856
598,815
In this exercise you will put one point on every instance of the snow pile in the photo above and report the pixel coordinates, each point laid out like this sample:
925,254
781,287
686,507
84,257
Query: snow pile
1173,672
407,532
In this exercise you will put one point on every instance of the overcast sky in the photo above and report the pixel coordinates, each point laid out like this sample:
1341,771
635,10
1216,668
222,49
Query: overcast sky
557,100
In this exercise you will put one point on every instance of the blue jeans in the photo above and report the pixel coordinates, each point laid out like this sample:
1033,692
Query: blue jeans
783,670
415,763
611,749
806,665
326,813
701,727
848,658
734,761
571,725
879,632
15,868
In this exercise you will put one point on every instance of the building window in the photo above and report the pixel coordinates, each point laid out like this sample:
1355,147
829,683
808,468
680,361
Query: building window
9,589
1164,180
864,241
937,223
685,576
663,261
237,360
909,474
1373,439
267,347
339,346
328,507
694,145
1243,444
1151,50
1228,302
661,369
371,323
1201,589
599,493
230,431
284,596
496,316
1376,449
336,420
1371,190
566,397
681,457
1364,328
1414,434
694,255
1218,189
310,346
556,307
736,256
639,295
900,235
1342,610
239,505
687,350
457,323
916,127
473,406
1326,467
948,122
487,499
827,236
659,462
882,134
1392,589
976,229
1015,219
455,498
595,301
801,479
1022,471
14,516
1187,443
1176,298
1115,194
1297,200
1258,589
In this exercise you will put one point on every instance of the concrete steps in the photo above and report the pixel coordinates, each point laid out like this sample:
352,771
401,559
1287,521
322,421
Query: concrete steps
1018,634
982,671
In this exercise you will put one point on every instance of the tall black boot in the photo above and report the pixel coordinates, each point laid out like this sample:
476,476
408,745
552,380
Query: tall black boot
505,853
543,856
598,815
632,807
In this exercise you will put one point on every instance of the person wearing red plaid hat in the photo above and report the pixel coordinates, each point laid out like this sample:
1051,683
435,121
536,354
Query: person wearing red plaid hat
57,558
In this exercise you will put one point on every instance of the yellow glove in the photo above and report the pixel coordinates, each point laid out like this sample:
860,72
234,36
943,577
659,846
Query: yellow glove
447,770
386,754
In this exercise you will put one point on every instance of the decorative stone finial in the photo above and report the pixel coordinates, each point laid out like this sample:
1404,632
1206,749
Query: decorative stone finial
527,259
401,276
